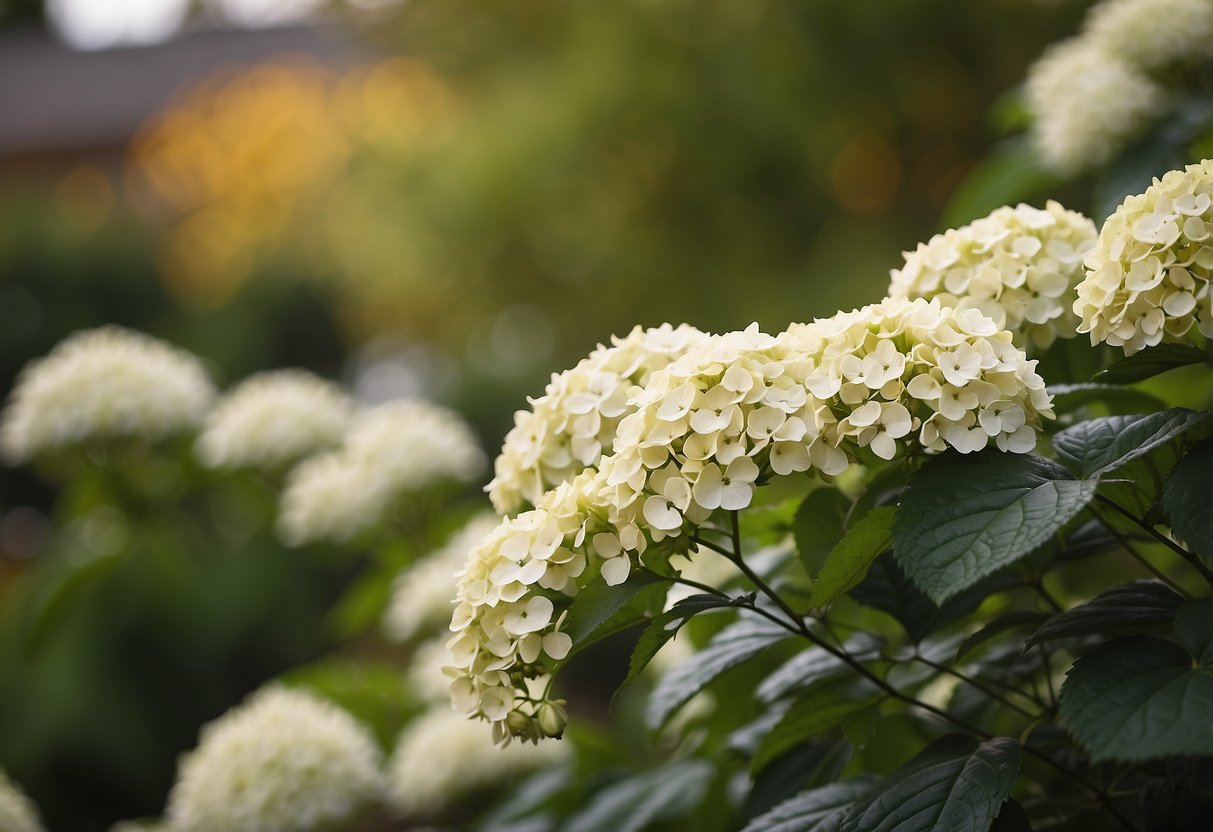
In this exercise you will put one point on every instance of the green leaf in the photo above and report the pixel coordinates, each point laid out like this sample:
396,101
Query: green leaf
817,810
600,610
1137,697
813,665
1000,625
955,784
825,707
377,693
1098,446
1186,500
1012,818
819,524
1010,173
666,626
632,804
1150,362
1128,608
1194,630
1070,397
848,562
965,516
732,646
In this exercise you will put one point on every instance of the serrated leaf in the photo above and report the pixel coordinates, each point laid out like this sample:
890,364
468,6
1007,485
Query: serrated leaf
965,516
1186,498
1002,624
848,562
732,646
1134,607
599,609
819,524
955,783
1099,446
817,810
823,708
1150,362
1138,697
632,804
665,626
1070,397
814,664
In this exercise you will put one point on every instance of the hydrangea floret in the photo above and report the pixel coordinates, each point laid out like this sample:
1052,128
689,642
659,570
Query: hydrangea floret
1019,266
274,419
284,760
390,451
103,384
1148,276
571,425
17,811
706,431
1152,34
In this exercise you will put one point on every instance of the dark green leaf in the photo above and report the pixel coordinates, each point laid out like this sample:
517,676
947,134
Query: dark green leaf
666,626
1098,446
599,609
1070,397
848,562
732,646
819,524
1194,630
632,804
965,516
823,708
813,665
1187,497
955,784
817,810
1012,818
1134,607
1136,697
1002,624
1150,362
1012,172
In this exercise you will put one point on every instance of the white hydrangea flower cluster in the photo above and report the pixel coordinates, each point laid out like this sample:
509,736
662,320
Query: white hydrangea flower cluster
390,450
1019,266
571,425
423,593
1086,103
17,811
274,419
705,432
104,383
1148,276
283,760
442,757
1153,34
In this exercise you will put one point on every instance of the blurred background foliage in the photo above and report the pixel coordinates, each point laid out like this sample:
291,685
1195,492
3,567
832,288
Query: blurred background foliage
477,196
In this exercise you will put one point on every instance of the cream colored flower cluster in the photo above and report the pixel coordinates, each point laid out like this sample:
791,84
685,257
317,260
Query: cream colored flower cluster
1148,277
390,451
274,419
1019,266
105,383
1086,103
442,757
571,425
423,593
1153,34
17,811
705,432
283,760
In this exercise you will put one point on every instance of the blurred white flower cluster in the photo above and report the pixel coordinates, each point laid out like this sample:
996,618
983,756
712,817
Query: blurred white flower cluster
571,425
1019,266
389,451
274,419
1091,94
106,383
17,811
423,593
703,434
284,760
1148,276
